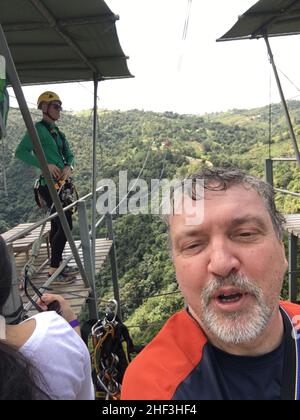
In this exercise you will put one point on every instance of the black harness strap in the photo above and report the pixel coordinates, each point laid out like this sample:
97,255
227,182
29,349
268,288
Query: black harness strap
53,306
290,368
54,132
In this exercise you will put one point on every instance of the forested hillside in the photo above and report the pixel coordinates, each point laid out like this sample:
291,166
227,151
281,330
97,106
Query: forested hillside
176,145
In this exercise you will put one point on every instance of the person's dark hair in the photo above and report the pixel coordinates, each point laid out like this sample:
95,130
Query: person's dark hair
220,179
18,378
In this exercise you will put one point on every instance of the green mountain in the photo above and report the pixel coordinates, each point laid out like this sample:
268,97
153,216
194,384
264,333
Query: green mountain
169,146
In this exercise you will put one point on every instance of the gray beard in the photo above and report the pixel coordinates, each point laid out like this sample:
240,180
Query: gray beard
238,327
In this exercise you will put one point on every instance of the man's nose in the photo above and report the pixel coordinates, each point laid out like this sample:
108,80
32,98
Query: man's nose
223,258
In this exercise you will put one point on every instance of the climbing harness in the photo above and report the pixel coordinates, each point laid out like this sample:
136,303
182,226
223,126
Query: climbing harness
111,353
66,191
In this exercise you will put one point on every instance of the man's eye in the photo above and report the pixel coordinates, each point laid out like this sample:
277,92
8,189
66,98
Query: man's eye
192,247
246,235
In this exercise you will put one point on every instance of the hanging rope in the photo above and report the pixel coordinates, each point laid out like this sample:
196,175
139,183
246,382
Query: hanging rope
187,20
185,30
158,184
289,80
86,88
137,180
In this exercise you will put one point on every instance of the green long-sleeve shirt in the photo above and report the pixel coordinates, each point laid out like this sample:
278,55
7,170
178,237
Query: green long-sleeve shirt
53,149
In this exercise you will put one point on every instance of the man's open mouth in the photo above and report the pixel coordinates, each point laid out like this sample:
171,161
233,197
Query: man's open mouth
229,298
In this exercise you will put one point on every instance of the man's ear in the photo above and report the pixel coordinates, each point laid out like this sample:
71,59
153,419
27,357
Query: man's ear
44,107
284,254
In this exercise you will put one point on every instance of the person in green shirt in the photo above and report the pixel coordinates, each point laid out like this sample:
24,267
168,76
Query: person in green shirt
60,159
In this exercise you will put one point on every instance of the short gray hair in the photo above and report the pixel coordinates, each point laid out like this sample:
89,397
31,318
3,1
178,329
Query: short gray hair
220,179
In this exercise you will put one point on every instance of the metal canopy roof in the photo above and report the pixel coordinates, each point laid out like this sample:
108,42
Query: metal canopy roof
267,17
63,40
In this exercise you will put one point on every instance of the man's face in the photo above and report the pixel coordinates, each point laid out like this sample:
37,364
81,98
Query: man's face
230,267
55,108
52,109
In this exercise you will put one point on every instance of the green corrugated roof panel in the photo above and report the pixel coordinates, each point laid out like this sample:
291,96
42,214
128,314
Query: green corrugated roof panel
274,17
63,40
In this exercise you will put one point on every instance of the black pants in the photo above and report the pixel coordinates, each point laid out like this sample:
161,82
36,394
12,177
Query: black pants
57,235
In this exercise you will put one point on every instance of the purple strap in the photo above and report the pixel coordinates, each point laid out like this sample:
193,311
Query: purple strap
74,323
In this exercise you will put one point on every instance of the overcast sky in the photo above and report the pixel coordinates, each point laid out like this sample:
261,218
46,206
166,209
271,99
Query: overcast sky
193,76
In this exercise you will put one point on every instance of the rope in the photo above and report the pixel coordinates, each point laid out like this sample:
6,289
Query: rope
91,92
151,324
270,115
291,82
187,20
169,294
164,294
160,178
185,30
99,138
136,181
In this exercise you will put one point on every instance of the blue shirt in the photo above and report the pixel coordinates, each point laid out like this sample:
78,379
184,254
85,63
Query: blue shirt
249,378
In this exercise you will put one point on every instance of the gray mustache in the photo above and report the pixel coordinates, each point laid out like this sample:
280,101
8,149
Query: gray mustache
234,280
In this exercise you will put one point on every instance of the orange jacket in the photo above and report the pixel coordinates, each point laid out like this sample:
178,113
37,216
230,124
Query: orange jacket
161,369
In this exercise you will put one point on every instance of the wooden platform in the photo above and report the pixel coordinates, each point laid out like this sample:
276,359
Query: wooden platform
24,244
292,224
76,293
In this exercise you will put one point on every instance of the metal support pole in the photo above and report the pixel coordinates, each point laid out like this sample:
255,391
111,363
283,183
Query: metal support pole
87,258
94,181
113,263
269,171
284,104
13,308
293,242
4,167
14,79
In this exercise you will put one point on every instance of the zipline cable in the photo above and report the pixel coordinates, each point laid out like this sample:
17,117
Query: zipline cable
270,115
291,82
136,181
185,30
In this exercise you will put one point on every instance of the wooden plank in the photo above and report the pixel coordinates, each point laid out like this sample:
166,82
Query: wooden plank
76,293
22,226
292,224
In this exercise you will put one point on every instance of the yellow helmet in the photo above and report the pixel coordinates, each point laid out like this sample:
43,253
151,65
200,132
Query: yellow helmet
47,97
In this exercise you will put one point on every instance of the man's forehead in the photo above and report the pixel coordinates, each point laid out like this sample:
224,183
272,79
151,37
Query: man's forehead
235,205
235,194
232,220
